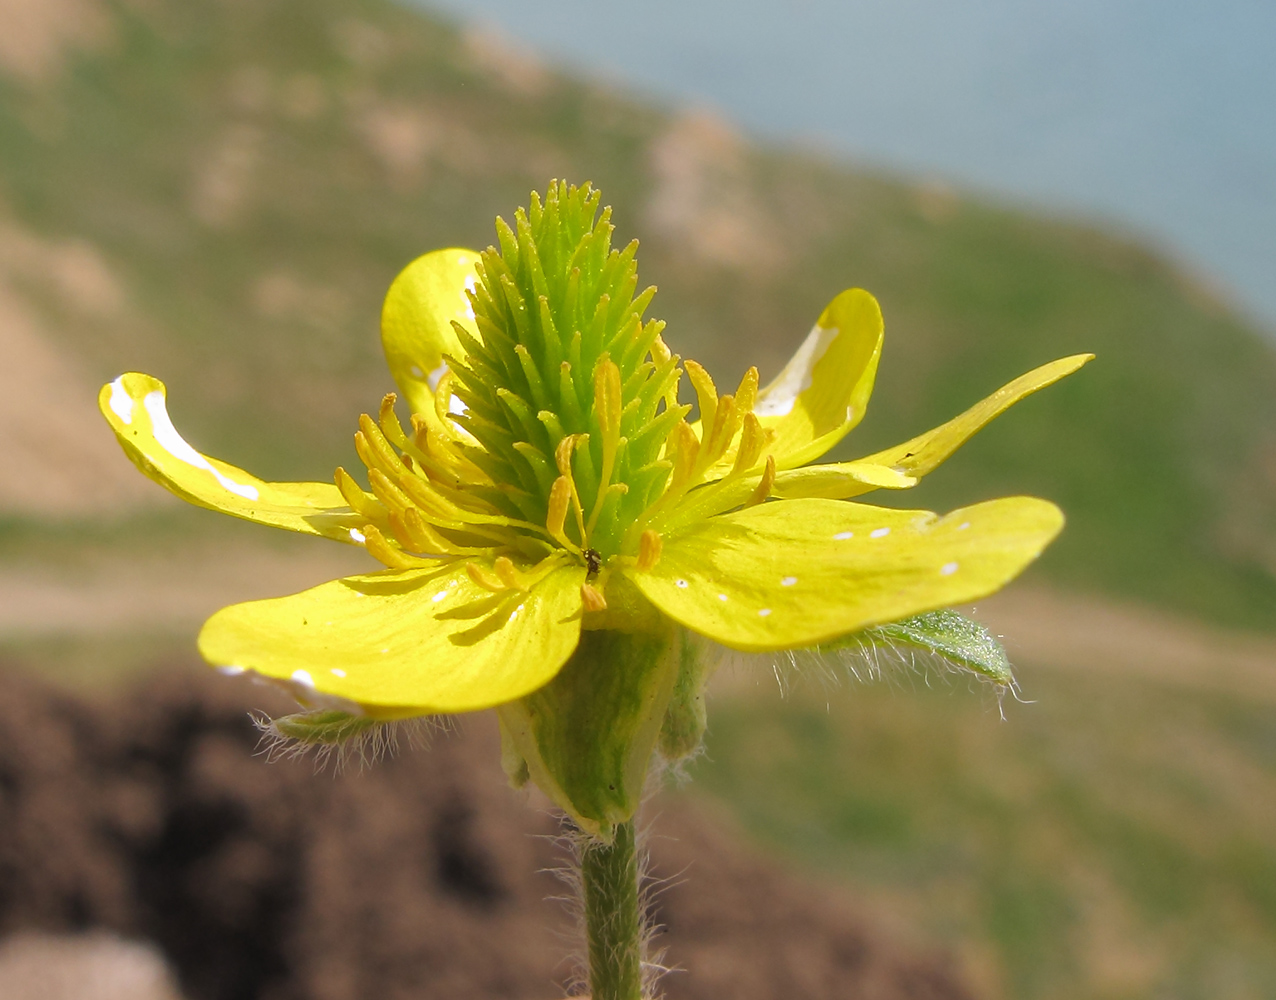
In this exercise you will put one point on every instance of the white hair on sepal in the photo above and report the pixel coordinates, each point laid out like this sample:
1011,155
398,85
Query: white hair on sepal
865,658
339,738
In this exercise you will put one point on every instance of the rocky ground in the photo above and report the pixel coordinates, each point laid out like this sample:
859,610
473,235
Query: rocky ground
150,821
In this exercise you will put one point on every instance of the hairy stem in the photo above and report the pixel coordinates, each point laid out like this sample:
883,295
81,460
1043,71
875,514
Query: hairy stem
613,916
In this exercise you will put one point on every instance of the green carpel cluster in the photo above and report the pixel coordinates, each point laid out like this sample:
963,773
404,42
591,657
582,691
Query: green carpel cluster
568,380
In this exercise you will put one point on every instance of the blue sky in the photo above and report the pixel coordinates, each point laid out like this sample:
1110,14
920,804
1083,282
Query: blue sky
1157,114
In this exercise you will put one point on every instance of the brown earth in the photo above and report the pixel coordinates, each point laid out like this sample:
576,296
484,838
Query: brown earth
152,816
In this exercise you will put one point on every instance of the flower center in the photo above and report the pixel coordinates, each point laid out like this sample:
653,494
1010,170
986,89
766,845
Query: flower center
571,438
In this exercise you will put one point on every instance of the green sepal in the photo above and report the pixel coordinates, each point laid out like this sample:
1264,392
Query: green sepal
326,727
682,732
587,737
953,637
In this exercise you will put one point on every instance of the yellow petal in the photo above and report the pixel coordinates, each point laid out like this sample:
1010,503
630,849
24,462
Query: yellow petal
839,480
924,452
416,321
405,642
799,572
135,406
823,391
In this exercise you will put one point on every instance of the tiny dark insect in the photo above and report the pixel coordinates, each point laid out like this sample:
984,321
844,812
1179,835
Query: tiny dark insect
593,561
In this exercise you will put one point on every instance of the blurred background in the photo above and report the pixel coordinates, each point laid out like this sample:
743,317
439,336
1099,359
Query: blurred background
218,192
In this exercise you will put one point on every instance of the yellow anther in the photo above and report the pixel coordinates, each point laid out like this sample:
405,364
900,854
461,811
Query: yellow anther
607,406
484,579
504,567
706,393
443,401
752,440
384,489
387,414
359,501
560,496
385,553
717,438
607,402
400,531
764,485
563,459
592,598
685,448
563,453
649,548
747,395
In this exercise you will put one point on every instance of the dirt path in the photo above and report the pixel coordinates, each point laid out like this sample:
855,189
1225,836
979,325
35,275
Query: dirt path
113,595
1054,630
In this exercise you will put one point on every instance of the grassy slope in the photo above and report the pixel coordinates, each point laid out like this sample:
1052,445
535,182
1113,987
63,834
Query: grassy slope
1108,841
1161,451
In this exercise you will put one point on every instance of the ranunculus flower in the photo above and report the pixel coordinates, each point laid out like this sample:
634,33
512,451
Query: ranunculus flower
555,533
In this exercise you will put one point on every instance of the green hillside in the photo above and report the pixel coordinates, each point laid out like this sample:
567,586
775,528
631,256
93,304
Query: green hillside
255,174
1114,840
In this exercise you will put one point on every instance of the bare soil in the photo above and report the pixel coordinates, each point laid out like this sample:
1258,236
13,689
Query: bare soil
153,816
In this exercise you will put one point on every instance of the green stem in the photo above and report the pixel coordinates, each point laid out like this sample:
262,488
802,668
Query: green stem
613,916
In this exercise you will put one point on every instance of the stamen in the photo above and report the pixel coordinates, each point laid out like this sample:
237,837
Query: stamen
685,447
426,539
359,501
752,440
563,459
387,554
649,548
399,529
591,597
764,485
484,579
607,406
706,393
392,498
560,496
387,418
747,394
719,436
505,570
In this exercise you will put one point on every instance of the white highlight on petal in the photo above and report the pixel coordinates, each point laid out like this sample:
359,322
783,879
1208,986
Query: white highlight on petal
681,584
963,526
303,677
173,443
439,596
337,672
778,398
879,532
842,536
788,581
357,536
948,569
433,378
763,612
416,371
232,670
722,597
121,401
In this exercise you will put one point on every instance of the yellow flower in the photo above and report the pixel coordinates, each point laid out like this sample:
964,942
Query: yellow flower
555,532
